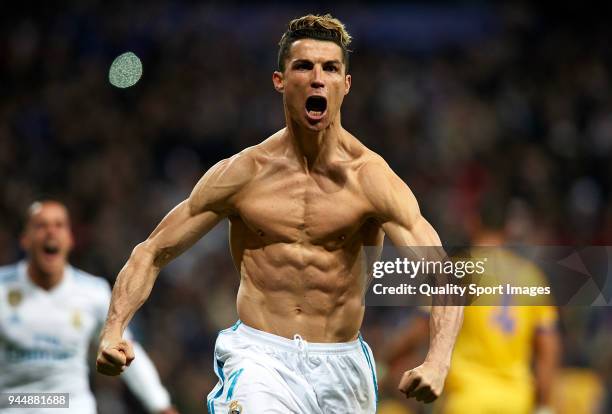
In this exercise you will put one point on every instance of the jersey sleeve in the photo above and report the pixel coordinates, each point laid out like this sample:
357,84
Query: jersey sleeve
143,380
545,318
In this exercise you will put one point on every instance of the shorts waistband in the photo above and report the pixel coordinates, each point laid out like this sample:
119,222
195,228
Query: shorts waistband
294,345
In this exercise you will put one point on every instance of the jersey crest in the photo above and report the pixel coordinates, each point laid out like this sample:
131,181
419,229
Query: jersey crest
15,297
77,322
235,408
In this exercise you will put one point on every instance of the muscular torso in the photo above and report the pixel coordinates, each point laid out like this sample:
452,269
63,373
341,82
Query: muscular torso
296,238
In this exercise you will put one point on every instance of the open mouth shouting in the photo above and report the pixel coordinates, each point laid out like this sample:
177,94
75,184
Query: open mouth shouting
316,108
51,249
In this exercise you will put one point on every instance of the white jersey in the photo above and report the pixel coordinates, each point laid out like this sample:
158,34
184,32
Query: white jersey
45,338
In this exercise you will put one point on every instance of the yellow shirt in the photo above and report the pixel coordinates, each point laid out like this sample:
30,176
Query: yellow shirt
490,368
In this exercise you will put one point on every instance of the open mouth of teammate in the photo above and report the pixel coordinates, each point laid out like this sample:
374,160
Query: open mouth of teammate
316,106
51,249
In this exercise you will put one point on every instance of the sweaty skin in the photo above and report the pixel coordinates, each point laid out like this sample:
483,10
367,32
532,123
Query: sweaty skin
301,205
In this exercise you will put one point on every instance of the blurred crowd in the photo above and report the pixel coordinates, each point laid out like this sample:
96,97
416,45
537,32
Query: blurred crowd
468,104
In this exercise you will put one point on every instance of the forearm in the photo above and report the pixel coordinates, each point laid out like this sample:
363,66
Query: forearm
546,365
444,325
132,288
446,318
544,376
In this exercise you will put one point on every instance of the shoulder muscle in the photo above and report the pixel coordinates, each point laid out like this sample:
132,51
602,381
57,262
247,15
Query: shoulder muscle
222,181
389,195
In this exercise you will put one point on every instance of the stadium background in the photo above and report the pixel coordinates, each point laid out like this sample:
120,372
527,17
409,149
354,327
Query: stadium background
469,103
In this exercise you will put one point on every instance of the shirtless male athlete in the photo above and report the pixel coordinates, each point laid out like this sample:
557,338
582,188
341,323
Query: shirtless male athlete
301,205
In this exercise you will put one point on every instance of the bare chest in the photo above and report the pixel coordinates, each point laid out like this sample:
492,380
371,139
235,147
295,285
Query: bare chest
295,207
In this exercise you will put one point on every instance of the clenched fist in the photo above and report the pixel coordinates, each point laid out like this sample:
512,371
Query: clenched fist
424,383
114,356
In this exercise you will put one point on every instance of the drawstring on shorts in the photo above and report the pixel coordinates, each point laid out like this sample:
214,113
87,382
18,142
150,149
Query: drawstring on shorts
301,345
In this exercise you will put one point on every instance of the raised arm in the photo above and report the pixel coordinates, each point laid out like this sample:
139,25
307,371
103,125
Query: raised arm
398,212
209,202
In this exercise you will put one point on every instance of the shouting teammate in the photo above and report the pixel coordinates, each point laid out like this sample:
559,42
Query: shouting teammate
301,205
50,312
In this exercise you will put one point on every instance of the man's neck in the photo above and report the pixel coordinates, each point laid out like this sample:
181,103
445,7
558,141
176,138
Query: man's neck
313,148
43,279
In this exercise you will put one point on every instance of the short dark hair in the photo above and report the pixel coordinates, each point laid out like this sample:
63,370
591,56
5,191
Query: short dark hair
313,26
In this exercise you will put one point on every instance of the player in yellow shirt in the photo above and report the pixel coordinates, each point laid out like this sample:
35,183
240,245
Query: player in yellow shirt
491,366
505,357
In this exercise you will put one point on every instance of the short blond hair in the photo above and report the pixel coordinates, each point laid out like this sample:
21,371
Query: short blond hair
314,26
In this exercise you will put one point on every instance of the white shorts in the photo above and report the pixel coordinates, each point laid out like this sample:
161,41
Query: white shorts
264,373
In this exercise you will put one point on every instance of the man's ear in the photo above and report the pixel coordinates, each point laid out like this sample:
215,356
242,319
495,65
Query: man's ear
277,81
347,84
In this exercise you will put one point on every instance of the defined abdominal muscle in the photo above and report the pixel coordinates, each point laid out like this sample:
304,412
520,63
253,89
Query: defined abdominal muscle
300,269
287,291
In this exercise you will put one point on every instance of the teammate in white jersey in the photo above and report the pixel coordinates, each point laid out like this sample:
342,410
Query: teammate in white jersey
49,314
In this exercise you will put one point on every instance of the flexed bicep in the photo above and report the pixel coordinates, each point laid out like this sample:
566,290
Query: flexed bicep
209,202
396,207
418,233
178,231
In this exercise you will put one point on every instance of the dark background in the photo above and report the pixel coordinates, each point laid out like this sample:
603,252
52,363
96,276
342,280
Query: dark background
502,110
